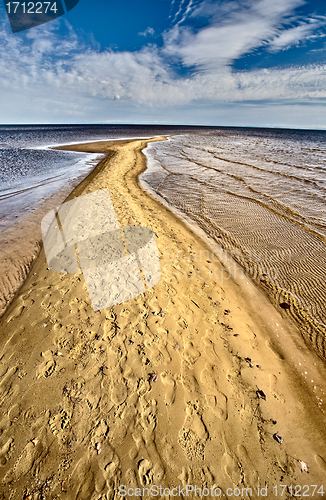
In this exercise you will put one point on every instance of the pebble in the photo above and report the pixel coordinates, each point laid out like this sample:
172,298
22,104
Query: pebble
261,394
277,438
153,377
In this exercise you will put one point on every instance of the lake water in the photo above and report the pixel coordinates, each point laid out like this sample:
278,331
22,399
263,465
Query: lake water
260,194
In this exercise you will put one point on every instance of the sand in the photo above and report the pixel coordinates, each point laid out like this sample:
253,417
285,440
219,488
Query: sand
198,381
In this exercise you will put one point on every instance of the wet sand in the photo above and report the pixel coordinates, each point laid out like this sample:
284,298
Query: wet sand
198,381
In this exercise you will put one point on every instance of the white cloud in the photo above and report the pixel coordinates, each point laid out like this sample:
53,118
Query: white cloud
144,78
43,71
148,32
235,29
179,10
171,8
294,36
189,9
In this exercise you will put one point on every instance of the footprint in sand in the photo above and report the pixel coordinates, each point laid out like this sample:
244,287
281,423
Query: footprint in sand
148,423
273,382
127,415
7,380
92,400
47,367
59,422
170,453
189,381
131,378
251,476
321,462
137,437
155,355
209,377
111,472
164,352
4,450
145,472
143,387
86,480
131,480
37,422
97,473
218,402
169,387
231,464
210,349
190,353
96,477
25,462
119,392
193,435
231,468
16,312
133,452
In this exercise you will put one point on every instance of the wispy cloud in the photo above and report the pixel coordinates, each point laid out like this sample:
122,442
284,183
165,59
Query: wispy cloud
181,5
85,78
299,34
171,8
142,77
190,7
148,32
234,29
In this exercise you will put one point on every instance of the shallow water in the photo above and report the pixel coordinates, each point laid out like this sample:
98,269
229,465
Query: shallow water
30,172
261,195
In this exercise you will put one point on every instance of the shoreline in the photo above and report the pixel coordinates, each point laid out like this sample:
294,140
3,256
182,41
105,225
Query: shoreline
237,273
287,279
15,264
17,257
214,346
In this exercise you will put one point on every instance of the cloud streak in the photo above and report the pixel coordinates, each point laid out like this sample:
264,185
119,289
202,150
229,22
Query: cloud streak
148,32
296,35
234,29
65,71
144,77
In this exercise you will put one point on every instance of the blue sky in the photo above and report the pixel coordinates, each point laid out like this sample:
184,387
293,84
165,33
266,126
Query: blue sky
209,62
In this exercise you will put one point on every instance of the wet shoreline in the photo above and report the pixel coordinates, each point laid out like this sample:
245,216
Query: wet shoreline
284,253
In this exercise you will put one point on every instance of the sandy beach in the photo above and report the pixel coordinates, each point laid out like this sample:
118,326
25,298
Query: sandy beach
198,381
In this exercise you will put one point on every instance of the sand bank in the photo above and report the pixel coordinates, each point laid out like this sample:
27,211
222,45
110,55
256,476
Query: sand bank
197,381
